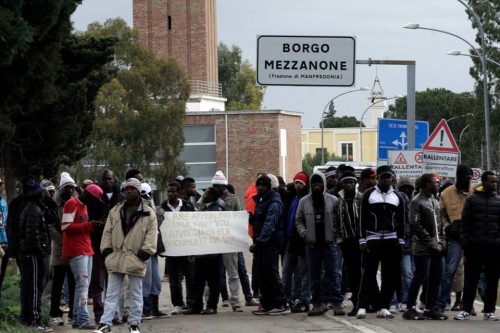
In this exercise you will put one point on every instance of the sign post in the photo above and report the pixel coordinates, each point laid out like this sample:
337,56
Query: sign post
306,61
441,153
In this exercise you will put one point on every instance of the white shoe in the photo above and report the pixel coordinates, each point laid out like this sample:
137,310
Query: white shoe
462,315
177,310
393,309
490,316
403,308
56,321
361,313
383,313
134,329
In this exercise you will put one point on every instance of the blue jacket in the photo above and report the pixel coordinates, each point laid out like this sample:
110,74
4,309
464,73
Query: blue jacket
266,221
3,217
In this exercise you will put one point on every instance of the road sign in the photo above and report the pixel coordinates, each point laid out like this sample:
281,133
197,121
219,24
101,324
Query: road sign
476,176
435,157
441,139
392,134
441,170
306,61
406,163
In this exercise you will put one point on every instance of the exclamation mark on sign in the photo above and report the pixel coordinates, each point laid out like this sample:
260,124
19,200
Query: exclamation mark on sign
442,137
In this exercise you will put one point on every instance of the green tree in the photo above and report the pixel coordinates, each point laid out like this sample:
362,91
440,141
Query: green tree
49,82
238,80
140,113
344,121
461,109
310,161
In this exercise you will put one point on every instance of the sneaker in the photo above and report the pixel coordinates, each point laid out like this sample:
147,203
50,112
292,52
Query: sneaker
260,312
403,308
64,308
191,312
447,307
159,313
279,311
338,310
347,296
384,313
56,321
165,278
361,313
490,316
147,316
237,308
177,310
226,304
133,328
434,314
393,309
352,313
87,326
252,302
117,321
456,307
299,307
412,314
462,315
103,328
209,311
316,311
421,306
43,328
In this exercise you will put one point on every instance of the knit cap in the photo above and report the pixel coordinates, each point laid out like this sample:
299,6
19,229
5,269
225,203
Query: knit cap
132,182
32,188
301,177
219,179
263,181
95,190
66,180
274,180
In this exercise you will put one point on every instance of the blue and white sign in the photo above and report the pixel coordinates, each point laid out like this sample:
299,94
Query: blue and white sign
393,134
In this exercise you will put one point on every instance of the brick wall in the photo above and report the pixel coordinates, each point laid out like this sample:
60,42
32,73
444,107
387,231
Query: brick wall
254,143
191,39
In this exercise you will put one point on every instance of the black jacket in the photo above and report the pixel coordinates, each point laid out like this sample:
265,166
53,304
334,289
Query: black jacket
266,221
34,235
480,220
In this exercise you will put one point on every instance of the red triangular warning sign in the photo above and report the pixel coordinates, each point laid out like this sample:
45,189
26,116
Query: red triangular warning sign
400,159
441,139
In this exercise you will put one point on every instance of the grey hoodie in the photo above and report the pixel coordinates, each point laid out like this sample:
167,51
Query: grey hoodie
305,220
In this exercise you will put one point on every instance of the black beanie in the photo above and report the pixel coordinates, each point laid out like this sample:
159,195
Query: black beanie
264,181
464,170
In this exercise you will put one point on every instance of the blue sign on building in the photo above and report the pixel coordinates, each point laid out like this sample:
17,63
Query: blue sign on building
393,135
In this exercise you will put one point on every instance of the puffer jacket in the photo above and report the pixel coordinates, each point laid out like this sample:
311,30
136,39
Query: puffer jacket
425,223
127,252
34,235
305,218
481,220
266,222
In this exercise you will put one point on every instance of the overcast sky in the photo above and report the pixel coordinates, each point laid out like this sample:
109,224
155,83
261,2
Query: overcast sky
376,25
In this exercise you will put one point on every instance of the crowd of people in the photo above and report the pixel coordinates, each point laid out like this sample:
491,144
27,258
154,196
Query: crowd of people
333,232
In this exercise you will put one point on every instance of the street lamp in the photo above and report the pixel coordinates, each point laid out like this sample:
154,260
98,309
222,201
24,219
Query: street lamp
462,115
457,53
482,57
323,119
361,123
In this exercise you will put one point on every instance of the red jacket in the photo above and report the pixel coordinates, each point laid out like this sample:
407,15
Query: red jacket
250,204
76,230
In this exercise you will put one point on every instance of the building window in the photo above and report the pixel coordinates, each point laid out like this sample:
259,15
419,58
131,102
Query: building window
169,22
347,150
199,153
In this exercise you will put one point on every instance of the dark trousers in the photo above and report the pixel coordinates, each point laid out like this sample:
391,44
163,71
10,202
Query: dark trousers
207,270
174,267
269,280
32,275
323,259
481,257
60,272
387,253
98,284
428,269
352,263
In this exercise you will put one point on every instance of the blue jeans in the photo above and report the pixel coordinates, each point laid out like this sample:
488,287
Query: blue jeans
81,266
318,258
407,270
113,292
450,268
151,285
295,267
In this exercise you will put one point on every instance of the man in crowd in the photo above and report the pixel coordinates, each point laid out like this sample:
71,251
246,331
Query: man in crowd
381,227
428,246
315,219
230,260
347,215
267,242
480,239
367,180
129,239
451,202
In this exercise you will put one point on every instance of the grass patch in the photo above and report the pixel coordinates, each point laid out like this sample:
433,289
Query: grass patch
10,307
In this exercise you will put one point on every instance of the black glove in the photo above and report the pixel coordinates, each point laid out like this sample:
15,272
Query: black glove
253,248
143,255
106,252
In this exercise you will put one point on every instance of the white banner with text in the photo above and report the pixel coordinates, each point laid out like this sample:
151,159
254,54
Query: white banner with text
197,233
